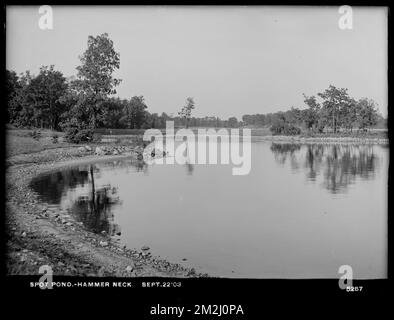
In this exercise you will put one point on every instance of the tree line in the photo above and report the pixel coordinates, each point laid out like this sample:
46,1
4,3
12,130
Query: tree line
331,110
82,103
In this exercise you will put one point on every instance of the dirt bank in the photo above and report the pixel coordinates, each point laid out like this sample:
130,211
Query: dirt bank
37,235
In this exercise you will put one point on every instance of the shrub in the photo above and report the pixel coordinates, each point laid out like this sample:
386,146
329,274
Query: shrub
55,138
76,135
291,130
285,129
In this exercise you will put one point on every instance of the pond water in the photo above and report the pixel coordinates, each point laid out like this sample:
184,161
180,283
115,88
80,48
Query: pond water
301,212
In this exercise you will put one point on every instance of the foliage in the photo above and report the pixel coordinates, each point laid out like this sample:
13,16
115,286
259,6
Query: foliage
43,95
13,88
336,102
311,115
282,126
85,102
134,113
232,122
335,110
367,113
186,110
76,135
89,92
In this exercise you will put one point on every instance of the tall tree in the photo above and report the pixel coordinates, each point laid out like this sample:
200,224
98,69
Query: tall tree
25,114
43,95
333,100
367,113
186,110
311,115
232,122
94,81
13,88
135,113
348,114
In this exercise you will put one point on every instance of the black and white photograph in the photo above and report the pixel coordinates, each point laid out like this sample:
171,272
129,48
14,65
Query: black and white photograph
210,142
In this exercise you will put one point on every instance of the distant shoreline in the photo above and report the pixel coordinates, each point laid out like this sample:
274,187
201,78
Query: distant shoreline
368,139
325,140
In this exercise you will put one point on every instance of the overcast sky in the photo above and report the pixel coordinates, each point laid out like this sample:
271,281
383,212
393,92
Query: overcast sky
232,60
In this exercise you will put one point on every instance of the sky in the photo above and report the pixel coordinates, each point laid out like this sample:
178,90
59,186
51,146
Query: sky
232,60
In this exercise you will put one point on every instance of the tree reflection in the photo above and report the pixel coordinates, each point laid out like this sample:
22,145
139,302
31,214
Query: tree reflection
314,158
282,151
94,209
340,165
189,168
52,187
345,163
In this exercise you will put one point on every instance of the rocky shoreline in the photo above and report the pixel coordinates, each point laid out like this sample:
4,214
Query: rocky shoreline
37,234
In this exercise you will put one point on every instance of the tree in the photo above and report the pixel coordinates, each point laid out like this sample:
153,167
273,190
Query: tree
281,125
135,113
348,114
112,113
333,100
367,113
43,95
311,115
22,113
186,110
232,122
94,77
13,88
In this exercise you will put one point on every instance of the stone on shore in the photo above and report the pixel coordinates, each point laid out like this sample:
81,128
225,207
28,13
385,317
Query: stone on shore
99,151
103,243
129,268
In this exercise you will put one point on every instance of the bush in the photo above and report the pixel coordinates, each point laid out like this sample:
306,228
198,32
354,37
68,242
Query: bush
55,138
291,130
76,135
282,128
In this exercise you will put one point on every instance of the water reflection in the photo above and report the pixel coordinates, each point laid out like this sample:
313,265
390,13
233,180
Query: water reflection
339,165
283,151
94,207
189,168
282,220
53,186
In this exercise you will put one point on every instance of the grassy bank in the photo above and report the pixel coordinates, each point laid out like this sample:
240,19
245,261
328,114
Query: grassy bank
22,141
